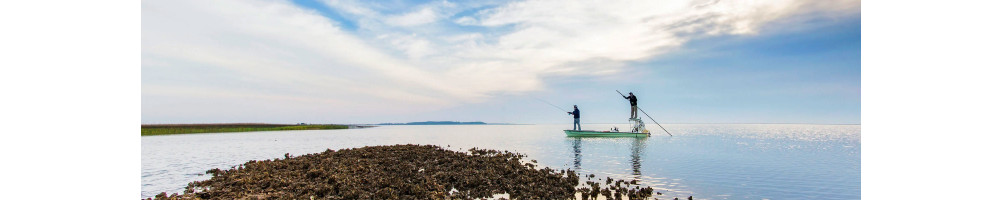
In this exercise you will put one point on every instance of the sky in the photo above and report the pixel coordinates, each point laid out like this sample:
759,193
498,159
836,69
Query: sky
357,62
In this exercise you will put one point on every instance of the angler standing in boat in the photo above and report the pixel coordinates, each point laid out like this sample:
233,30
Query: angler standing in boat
578,125
633,104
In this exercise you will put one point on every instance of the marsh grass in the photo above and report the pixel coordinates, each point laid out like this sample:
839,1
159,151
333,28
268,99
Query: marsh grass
169,129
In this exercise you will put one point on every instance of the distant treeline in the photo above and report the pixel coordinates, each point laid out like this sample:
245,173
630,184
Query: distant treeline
434,123
167,129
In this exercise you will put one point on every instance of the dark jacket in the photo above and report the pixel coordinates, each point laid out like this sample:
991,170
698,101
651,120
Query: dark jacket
575,113
633,100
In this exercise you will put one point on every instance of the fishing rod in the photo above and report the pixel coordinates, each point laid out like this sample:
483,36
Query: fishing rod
548,103
649,116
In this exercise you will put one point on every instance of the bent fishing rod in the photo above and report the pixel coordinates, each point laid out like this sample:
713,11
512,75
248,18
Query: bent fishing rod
646,114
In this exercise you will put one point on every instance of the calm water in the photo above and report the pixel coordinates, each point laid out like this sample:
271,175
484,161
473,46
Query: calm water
707,161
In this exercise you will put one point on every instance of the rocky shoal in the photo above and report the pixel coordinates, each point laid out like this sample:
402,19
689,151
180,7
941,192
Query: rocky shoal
402,172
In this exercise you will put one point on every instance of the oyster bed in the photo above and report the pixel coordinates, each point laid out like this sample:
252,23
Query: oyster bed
401,172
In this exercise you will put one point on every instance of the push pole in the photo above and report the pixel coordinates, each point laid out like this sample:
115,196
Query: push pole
649,116
653,120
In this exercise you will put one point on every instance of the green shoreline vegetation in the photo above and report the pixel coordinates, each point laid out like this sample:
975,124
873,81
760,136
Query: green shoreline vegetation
170,129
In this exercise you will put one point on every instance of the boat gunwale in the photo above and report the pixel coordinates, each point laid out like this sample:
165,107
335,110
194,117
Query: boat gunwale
603,133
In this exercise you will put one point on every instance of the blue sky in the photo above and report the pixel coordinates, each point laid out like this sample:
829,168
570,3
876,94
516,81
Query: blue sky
493,61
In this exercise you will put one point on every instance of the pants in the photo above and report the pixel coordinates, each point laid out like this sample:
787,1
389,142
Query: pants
633,112
578,126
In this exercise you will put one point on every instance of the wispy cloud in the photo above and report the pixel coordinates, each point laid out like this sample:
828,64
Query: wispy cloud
273,48
418,57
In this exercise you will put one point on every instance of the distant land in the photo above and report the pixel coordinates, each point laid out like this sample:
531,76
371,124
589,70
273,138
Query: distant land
443,123
170,129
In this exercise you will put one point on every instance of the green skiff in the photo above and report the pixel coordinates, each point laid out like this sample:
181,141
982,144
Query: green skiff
591,133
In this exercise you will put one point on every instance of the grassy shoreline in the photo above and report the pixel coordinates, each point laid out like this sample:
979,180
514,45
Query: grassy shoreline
171,129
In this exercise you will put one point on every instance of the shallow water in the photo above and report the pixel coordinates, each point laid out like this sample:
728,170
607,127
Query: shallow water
707,161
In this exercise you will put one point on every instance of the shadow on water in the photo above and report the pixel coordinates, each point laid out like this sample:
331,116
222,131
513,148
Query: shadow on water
637,147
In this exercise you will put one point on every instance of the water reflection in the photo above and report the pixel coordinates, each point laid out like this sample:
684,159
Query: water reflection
637,147
720,161
576,145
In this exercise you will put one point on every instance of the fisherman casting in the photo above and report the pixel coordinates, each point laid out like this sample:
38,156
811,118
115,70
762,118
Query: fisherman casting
578,125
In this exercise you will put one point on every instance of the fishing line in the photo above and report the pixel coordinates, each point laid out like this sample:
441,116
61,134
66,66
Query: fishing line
548,103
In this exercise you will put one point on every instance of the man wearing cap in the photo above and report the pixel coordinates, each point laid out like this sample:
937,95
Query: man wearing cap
578,125
633,104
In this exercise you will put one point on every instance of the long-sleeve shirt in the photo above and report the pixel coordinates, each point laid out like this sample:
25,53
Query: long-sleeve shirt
633,100
575,113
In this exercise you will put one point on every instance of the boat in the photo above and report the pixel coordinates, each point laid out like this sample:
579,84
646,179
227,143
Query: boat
637,126
638,130
593,133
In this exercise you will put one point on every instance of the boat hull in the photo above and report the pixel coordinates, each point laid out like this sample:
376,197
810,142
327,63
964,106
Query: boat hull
591,133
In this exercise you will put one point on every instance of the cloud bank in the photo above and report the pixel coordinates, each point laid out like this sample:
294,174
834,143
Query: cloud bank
232,60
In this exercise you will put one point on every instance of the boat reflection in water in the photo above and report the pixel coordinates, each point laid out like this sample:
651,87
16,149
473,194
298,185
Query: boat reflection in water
637,146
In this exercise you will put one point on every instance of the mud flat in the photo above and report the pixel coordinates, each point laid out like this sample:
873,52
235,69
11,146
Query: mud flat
402,172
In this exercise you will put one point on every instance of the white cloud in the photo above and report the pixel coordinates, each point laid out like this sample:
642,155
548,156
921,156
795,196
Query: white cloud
466,20
412,45
274,49
560,32
420,17
276,54
353,7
